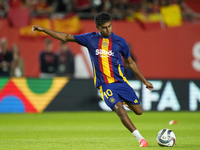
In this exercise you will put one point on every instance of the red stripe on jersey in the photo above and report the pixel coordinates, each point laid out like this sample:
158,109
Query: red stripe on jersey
100,61
110,59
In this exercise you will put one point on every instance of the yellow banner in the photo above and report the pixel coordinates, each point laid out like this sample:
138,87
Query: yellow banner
71,25
150,18
172,15
44,22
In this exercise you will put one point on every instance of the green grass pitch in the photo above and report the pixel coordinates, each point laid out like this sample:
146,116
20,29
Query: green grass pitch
95,131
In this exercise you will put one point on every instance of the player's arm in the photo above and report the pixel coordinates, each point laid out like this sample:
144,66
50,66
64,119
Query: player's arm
134,68
58,35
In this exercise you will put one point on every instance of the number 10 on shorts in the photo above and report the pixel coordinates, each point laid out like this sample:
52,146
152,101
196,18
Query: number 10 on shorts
108,93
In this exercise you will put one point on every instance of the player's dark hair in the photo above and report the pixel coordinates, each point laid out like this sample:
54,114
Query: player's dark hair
102,18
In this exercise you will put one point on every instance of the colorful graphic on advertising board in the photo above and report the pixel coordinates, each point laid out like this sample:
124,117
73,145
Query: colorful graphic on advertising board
22,95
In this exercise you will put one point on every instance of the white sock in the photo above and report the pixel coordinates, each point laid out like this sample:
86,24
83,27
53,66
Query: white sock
137,134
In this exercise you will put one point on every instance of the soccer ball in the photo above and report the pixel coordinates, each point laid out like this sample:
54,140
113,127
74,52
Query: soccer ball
166,137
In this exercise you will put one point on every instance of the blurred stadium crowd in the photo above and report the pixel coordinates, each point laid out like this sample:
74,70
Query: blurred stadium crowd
52,64
119,9
158,13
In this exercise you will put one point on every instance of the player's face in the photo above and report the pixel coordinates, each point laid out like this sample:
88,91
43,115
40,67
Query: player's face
105,29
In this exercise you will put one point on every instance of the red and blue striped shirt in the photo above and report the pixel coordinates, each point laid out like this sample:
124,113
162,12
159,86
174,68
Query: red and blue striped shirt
105,54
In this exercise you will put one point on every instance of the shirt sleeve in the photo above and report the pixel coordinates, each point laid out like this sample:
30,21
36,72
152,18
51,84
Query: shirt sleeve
83,39
124,49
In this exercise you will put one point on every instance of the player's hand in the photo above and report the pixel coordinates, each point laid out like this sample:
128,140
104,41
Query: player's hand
149,85
36,27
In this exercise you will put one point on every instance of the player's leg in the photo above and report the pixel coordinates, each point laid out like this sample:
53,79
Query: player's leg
121,112
131,99
110,94
137,109
111,97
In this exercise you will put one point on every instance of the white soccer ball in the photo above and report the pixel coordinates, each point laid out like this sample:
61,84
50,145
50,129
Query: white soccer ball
166,137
